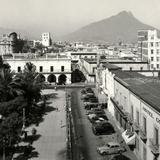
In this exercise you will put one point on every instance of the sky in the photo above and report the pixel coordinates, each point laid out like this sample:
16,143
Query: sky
61,17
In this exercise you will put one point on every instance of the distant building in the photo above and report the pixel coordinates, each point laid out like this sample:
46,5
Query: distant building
8,44
149,47
46,39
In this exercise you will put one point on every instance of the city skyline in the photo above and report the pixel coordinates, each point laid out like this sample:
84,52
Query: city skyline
62,17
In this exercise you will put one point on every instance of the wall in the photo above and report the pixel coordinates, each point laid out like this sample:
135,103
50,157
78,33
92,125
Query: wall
134,66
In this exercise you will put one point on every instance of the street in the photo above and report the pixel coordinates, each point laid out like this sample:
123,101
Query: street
86,141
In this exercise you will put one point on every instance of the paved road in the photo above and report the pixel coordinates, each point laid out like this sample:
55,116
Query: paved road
86,141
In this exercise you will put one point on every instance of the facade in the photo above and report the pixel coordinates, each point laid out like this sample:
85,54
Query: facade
133,100
49,65
149,47
46,39
79,55
7,43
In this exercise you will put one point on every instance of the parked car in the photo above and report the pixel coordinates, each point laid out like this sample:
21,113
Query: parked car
89,106
91,116
91,101
102,128
111,148
95,110
89,90
120,157
97,119
86,96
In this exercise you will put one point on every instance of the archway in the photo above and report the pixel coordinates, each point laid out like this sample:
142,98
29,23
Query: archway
41,78
62,79
51,78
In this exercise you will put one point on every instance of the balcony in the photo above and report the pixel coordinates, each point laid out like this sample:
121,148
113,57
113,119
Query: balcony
155,148
143,135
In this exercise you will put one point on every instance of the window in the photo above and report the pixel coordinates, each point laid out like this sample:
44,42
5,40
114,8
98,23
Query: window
152,66
19,69
157,44
137,117
94,68
132,111
62,68
141,68
130,68
51,68
151,44
158,51
145,125
152,51
157,65
156,135
152,58
41,69
157,59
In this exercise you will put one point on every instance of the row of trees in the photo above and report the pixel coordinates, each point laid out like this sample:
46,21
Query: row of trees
18,93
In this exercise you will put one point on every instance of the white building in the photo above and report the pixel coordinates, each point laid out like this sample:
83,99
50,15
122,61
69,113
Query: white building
149,47
51,67
133,100
46,39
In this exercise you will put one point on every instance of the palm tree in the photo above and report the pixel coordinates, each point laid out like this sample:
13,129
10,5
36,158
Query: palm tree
31,88
8,87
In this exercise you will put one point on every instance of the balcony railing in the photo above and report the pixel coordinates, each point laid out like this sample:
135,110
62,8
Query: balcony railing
155,148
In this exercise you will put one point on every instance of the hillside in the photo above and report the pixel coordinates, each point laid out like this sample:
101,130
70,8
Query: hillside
121,27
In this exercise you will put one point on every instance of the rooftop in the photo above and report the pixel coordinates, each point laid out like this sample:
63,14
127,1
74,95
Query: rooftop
33,56
147,88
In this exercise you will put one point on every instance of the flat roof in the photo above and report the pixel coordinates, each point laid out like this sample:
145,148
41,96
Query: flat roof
147,88
84,53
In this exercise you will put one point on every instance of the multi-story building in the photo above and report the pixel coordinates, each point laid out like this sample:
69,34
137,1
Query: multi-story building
133,100
46,39
149,47
8,44
52,68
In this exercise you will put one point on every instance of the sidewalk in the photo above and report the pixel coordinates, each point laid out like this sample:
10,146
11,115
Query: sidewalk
118,136
51,144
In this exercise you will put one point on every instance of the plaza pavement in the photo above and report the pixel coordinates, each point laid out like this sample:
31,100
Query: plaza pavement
52,142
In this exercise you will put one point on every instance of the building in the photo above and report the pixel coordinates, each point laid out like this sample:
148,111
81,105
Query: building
50,66
8,44
133,100
76,56
149,48
46,39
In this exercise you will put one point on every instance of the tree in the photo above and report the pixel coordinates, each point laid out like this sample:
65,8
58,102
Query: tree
7,85
77,76
31,87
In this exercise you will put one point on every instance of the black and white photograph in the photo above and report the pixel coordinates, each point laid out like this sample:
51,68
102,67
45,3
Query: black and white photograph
79,79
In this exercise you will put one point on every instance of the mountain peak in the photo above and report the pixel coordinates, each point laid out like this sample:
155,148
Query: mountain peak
125,13
122,26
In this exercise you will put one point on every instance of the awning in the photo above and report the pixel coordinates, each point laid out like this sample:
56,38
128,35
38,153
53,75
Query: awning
129,137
